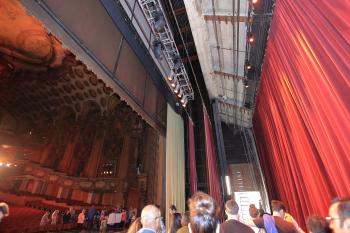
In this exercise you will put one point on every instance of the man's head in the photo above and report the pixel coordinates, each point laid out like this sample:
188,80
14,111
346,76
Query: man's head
4,210
316,224
231,209
172,209
278,208
151,217
339,216
253,211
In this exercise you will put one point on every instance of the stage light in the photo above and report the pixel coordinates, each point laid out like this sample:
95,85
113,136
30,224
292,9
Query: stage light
1,164
248,67
180,93
171,75
185,103
173,82
255,2
157,47
246,84
183,99
8,165
251,38
177,88
159,21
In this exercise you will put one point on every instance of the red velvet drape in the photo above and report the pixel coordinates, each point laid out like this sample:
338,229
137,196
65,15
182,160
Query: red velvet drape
302,120
192,157
211,161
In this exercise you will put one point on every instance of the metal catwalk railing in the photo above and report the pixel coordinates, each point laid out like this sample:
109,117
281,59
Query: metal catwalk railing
154,13
255,167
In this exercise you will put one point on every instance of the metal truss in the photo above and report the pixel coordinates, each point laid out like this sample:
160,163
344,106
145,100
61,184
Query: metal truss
253,159
153,9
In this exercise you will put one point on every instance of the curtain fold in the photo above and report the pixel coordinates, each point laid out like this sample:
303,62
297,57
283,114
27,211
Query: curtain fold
175,163
214,188
192,157
302,117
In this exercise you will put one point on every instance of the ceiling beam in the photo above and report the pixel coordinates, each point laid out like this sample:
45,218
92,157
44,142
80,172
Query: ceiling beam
185,29
228,18
192,58
228,75
187,45
178,11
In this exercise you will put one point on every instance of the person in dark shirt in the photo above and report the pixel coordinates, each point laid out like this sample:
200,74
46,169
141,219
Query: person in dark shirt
232,224
66,217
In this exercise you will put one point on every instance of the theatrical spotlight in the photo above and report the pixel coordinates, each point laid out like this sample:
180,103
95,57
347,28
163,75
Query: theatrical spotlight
171,75
180,93
251,38
184,101
177,88
248,66
173,83
254,2
246,83
159,21
157,47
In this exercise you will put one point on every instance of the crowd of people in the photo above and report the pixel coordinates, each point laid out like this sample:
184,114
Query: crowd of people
203,217
92,219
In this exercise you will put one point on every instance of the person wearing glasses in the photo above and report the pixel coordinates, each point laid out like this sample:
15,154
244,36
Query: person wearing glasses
150,219
339,216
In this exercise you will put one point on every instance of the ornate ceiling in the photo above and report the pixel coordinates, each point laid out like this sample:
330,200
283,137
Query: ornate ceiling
38,77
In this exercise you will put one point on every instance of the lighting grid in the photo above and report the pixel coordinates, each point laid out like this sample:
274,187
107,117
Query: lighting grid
153,10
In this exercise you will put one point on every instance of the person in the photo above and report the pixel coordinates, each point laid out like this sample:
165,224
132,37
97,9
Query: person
4,210
273,224
81,219
54,217
150,219
90,217
103,221
202,209
316,224
232,224
175,222
66,217
254,213
123,218
339,216
185,220
45,219
135,226
111,221
172,209
279,210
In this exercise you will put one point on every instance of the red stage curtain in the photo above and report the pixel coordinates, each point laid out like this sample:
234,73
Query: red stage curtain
211,162
302,120
192,157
